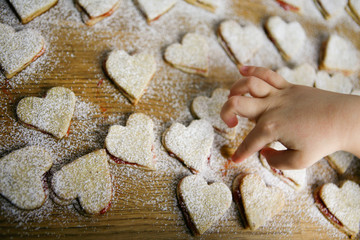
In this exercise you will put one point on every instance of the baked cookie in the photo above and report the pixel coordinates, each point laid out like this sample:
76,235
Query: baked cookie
256,202
133,144
202,204
191,145
330,8
210,5
340,161
86,179
19,49
291,5
154,9
289,38
94,11
131,74
192,56
22,177
335,83
303,74
51,114
240,43
339,55
30,9
294,178
209,109
341,206
353,9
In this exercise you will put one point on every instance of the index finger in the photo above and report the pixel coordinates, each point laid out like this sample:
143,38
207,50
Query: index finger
265,74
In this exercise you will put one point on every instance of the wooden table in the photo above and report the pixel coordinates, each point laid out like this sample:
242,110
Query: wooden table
144,203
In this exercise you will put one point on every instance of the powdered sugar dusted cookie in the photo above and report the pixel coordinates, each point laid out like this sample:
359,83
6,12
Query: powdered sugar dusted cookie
97,10
240,43
86,179
340,55
191,145
131,74
30,9
340,161
303,74
210,5
51,114
353,8
341,206
22,176
294,178
335,83
291,5
209,109
191,56
133,144
330,8
289,38
19,49
256,202
154,9
202,204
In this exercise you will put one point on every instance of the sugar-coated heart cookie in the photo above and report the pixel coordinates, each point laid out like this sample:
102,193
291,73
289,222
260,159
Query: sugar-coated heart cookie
353,8
210,5
154,9
202,204
240,43
294,178
19,49
335,83
87,179
291,5
131,74
256,202
303,74
340,161
341,206
191,56
94,11
30,9
209,109
330,8
340,55
51,114
22,176
133,144
191,145
289,38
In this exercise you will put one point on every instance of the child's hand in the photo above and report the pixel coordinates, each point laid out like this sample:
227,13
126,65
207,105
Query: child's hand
311,123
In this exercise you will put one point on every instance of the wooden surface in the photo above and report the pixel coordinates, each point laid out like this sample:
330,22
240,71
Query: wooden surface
144,204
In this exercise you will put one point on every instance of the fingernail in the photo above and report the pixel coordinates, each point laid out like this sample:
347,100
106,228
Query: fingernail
244,69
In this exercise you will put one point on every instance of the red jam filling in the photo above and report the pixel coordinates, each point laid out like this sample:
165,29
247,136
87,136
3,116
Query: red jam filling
39,54
287,6
238,200
120,161
106,208
324,210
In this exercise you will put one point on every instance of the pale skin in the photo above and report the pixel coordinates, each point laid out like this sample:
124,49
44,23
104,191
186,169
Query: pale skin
310,122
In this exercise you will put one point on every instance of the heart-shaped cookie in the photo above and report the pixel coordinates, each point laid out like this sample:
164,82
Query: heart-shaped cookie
87,179
294,178
30,9
154,9
209,109
303,74
330,8
353,9
341,206
191,56
94,11
340,55
133,144
240,43
51,114
210,5
291,5
335,83
22,176
289,38
191,145
340,161
19,49
256,202
131,74
202,204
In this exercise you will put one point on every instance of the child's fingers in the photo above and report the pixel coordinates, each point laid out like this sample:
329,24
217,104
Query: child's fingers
243,106
285,159
253,85
265,74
